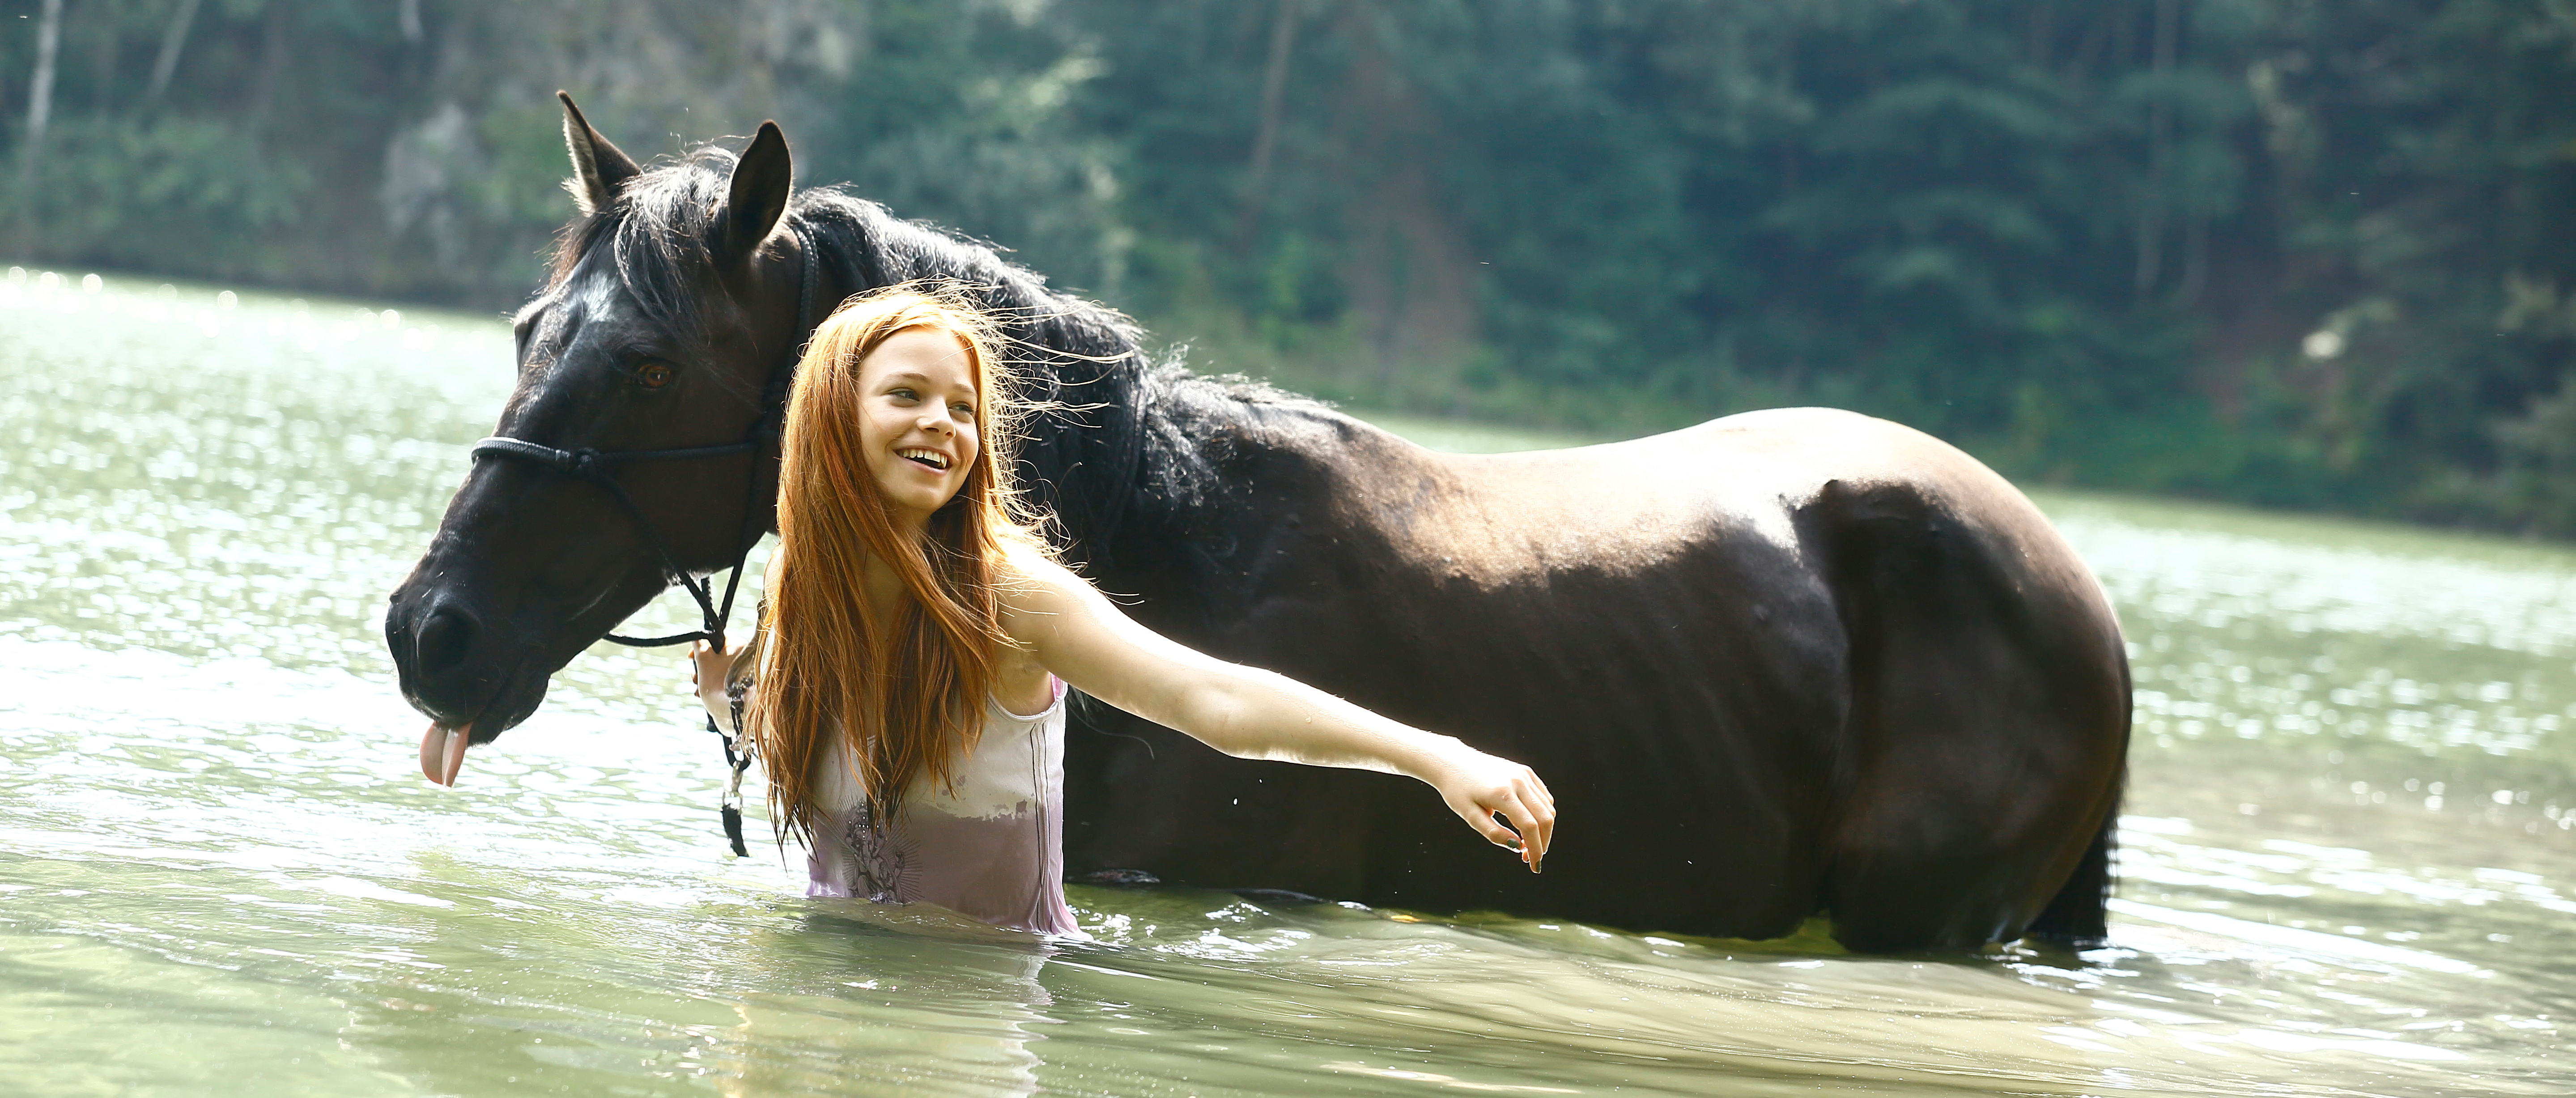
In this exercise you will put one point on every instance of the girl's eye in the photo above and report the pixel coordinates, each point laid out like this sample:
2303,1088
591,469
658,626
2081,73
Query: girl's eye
964,411
903,394
654,375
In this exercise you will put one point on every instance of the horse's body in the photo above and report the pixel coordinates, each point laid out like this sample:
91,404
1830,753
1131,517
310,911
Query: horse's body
1782,664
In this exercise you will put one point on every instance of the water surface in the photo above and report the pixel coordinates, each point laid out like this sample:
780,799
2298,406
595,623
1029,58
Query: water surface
2347,862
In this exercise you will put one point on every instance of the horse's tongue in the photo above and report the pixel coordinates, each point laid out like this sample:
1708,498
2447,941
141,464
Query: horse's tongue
442,752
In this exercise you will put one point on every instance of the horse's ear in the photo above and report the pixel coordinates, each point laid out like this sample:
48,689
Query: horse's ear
755,200
598,168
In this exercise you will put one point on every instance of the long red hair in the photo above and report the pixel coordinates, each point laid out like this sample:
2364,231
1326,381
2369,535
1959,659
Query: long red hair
902,687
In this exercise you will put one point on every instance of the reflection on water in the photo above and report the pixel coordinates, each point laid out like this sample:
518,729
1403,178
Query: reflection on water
2347,867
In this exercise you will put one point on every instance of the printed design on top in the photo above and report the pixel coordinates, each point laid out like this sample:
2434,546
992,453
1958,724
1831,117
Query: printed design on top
877,860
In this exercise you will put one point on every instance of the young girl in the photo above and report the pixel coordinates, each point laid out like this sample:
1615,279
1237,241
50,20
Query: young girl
907,687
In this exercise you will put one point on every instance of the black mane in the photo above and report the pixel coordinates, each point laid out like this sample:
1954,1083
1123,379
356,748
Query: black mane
1114,436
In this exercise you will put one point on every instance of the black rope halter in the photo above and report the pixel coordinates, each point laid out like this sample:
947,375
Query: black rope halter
599,467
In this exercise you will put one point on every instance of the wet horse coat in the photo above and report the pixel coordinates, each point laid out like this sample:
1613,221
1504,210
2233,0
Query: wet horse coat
1781,664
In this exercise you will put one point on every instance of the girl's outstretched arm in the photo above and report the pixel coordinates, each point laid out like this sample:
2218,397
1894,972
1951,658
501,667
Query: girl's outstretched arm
1249,713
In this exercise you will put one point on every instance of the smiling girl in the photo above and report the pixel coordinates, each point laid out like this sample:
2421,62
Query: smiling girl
906,691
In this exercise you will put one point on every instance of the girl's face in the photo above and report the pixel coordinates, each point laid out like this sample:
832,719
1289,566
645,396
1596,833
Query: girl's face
917,420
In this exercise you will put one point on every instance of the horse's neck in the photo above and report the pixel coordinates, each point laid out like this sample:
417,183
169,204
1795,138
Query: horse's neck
1125,453
905,251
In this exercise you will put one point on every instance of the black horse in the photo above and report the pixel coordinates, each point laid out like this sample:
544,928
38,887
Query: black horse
1781,664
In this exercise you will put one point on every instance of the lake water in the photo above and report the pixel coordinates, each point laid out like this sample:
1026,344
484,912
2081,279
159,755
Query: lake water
2348,863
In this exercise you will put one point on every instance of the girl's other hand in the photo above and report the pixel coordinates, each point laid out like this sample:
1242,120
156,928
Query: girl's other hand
1478,787
707,669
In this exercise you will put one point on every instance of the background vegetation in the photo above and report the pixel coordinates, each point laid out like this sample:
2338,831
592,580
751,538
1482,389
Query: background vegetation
2293,252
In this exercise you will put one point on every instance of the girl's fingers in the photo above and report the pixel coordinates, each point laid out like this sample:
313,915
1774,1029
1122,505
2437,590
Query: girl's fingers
1495,833
1543,807
1526,822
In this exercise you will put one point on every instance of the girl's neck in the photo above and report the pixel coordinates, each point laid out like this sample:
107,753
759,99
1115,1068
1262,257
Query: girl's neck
882,586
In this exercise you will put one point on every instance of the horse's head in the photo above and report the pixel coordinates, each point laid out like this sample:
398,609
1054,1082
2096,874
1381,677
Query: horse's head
673,303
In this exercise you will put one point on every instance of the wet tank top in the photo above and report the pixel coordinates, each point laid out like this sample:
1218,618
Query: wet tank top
992,848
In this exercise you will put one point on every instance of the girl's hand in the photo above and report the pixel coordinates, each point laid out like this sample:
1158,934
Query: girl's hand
1478,786
707,669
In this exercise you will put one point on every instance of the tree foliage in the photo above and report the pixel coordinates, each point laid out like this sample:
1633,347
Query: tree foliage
2289,251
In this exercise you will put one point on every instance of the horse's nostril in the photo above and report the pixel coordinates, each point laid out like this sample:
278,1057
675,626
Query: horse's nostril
446,638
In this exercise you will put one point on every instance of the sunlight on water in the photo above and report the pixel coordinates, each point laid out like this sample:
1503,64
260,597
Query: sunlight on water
2350,860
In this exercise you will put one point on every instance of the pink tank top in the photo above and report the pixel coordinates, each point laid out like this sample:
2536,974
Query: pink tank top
992,849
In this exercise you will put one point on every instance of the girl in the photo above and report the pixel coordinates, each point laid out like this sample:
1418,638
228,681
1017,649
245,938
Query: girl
906,691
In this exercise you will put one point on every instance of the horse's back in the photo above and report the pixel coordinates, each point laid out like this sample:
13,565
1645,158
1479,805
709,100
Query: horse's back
1784,455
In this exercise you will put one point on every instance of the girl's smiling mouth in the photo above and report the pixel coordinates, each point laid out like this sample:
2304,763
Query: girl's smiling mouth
931,459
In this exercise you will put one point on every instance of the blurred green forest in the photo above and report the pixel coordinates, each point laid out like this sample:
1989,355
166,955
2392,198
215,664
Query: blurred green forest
2290,252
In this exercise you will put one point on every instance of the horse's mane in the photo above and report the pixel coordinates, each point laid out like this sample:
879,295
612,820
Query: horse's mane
1117,432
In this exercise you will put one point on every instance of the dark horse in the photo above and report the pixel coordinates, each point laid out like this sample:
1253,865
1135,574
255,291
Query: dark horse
1782,664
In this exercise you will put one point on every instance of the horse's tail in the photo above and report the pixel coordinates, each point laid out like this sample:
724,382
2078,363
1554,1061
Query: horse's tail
2078,917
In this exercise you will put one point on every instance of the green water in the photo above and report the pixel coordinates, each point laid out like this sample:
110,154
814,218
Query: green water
2349,864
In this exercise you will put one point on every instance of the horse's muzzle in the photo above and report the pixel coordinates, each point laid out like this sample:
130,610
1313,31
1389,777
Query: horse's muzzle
453,668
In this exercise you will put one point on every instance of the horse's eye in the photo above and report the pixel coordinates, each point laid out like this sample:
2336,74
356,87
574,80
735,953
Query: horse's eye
654,375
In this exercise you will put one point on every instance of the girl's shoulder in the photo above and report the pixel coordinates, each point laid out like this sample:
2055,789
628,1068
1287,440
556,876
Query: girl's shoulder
1026,570
1037,592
